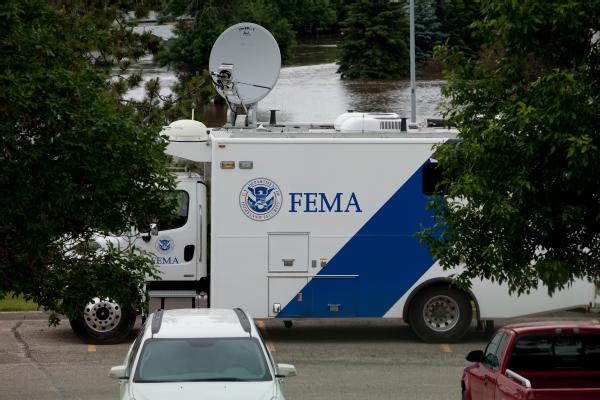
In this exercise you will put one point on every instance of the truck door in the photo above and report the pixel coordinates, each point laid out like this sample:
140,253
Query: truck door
484,378
176,247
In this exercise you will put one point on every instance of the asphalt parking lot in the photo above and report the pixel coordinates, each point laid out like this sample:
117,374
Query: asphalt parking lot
343,359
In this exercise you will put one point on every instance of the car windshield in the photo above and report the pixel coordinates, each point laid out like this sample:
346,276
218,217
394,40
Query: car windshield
197,360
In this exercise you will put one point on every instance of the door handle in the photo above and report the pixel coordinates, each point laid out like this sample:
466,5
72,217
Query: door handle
200,235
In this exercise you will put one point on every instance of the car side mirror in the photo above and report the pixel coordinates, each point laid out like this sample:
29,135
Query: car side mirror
285,370
118,372
475,356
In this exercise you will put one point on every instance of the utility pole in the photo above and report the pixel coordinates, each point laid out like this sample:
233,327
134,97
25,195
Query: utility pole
413,95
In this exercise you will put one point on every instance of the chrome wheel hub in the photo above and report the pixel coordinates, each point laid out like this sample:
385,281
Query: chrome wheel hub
102,315
441,313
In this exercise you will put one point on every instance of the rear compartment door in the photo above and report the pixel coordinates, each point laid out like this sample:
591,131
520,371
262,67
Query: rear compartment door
333,295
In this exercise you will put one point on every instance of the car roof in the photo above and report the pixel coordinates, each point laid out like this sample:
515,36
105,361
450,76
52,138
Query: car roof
201,323
547,327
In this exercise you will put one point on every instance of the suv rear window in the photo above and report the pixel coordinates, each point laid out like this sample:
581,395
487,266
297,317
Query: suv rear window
201,360
556,352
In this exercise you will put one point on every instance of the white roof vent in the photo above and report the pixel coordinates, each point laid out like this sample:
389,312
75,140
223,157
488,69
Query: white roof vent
186,130
339,121
373,122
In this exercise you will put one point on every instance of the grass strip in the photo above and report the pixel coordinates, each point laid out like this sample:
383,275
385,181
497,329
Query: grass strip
10,303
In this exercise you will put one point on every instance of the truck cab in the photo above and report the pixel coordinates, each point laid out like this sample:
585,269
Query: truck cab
179,245
542,361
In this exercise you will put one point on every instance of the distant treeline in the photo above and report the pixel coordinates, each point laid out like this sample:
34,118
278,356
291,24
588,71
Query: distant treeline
201,21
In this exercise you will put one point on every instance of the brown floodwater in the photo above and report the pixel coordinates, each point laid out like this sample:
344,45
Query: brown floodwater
310,90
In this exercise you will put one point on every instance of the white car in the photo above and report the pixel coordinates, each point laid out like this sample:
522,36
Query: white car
200,354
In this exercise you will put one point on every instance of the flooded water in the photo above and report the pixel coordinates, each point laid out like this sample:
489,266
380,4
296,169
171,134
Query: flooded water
310,90
315,93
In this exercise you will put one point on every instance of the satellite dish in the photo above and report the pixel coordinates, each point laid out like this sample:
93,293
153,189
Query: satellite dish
244,65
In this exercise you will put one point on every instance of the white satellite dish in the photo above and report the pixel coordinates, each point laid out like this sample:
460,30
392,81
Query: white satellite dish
244,66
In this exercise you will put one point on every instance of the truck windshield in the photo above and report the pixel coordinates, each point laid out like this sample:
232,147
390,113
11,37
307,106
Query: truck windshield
196,360
556,352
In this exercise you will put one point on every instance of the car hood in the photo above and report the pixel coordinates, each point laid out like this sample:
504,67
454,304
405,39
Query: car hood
205,390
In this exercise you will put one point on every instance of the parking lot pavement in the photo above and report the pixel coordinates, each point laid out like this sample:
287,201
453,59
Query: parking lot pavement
41,362
342,359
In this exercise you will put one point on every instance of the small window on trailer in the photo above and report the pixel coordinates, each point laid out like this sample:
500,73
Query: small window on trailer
432,176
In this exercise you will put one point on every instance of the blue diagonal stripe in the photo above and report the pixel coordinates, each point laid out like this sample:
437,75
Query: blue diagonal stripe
384,254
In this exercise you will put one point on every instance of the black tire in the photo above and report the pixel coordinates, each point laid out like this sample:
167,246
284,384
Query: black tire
440,314
115,333
77,326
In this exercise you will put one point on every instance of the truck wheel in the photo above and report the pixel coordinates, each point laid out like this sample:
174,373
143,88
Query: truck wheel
440,314
104,322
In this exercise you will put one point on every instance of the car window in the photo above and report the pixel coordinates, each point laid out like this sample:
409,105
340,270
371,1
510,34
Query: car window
206,359
490,357
556,352
502,346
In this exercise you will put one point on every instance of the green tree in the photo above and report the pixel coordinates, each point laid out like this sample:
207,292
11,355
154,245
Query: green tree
189,52
75,159
309,16
523,195
428,33
457,18
375,41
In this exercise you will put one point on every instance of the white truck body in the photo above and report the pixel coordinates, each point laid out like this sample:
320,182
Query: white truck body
306,221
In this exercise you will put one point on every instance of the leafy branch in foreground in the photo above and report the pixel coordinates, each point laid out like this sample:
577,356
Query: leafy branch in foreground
523,197
77,161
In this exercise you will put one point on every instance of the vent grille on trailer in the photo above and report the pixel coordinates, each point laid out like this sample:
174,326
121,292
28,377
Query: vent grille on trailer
387,125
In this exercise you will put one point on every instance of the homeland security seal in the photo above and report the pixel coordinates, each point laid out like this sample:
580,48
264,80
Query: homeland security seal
164,245
260,199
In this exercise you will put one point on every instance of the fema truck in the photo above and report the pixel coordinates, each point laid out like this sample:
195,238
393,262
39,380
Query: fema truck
307,220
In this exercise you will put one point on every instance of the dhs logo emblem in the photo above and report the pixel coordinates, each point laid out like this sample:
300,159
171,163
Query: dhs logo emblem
260,199
164,245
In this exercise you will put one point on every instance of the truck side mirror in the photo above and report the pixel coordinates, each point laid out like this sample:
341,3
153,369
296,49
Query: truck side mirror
152,231
475,356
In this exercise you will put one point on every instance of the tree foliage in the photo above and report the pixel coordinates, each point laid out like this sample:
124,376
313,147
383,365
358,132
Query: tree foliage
457,18
188,53
523,196
309,16
375,41
75,159
428,30
200,24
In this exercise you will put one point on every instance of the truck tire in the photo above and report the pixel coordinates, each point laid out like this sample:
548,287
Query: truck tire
104,322
440,314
